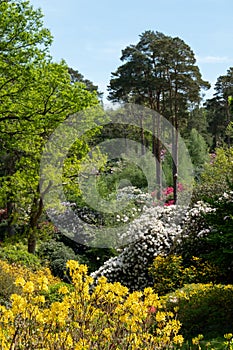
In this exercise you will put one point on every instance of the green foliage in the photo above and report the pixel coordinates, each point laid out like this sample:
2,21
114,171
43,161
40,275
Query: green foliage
169,273
198,151
56,254
219,241
17,254
216,176
120,173
219,109
53,295
95,257
229,130
156,52
203,309
36,96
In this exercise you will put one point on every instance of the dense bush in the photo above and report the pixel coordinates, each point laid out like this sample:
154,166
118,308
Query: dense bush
7,286
114,175
52,294
159,230
220,240
217,174
55,255
203,309
9,272
17,254
108,318
153,233
169,273
211,234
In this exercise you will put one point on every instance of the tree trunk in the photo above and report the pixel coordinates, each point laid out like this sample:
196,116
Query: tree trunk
175,150
142,135
228,122
37,208
156,149
10,226
174,162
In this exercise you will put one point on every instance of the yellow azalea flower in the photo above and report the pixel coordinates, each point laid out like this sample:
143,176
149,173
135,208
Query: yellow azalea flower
20,281
82,345
69,340
19,303
63,290
178,339
40,317
28,287
87,315
72,265
42,282
83,269
160,316
39,299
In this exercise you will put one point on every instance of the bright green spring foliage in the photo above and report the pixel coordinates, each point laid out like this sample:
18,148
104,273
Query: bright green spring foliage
36,95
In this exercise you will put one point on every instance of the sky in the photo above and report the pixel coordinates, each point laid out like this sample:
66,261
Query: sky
90,35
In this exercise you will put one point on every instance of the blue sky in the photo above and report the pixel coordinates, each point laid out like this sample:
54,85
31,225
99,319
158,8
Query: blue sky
90,34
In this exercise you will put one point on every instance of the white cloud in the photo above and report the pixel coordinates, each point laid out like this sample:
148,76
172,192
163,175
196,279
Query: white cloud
214,59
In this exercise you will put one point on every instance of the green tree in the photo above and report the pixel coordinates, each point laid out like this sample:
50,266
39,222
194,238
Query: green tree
219,114
36,96
77,77
160,73
197,119
24,41
46,104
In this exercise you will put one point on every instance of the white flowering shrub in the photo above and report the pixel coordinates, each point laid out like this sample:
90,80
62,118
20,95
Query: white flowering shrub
153,233
145,231
159,230
194,224
195,229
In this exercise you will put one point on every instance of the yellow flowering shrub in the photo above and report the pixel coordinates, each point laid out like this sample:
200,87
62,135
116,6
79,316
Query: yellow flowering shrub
101,316
168,273
9,273
16,270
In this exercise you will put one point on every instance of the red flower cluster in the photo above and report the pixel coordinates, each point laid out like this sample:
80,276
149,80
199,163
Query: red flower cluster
167,191
168,194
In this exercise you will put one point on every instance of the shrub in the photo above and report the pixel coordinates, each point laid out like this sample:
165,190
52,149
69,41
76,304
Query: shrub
10,271
7,286
169,273
159,230
153,233
203,309
210,234
56,254
17,254
53,295
216,175
115,175
220,239
107,318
